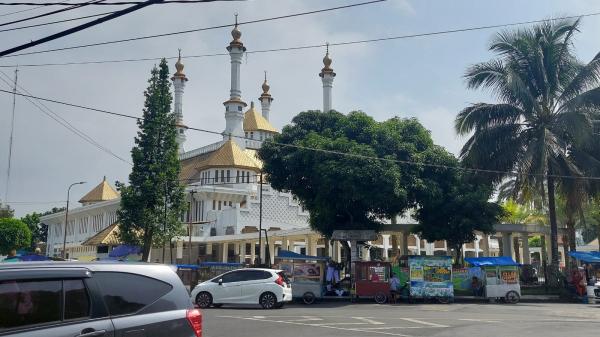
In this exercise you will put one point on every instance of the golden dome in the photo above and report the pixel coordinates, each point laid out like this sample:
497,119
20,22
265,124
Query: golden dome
265,85
327,61
179,67
236,33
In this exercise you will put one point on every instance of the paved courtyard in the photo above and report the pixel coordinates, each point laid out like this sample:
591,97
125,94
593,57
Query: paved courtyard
366,320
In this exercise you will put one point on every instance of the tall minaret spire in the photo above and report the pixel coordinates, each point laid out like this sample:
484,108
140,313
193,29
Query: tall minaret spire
265,98
327,76
179,80
234,115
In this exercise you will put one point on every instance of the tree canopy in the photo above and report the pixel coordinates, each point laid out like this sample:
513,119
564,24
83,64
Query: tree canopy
153,202
542,125
454,204
335,179
14,234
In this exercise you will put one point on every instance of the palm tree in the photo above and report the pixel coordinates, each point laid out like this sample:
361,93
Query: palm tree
539,130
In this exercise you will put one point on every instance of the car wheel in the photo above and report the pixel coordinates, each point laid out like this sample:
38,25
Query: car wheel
268,300
512,297
204,300
380,298
308,298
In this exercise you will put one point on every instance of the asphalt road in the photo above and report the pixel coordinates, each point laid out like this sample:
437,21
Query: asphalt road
372,320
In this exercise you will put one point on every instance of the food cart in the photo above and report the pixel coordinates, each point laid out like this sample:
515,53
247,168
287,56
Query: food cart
427,277
371,280
589,265
501,278
306,274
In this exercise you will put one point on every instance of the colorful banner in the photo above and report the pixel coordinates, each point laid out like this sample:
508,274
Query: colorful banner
462,278
430,276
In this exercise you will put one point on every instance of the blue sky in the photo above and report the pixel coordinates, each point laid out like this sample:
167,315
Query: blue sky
418,77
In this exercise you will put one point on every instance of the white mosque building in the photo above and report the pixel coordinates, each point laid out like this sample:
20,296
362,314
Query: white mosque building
222,181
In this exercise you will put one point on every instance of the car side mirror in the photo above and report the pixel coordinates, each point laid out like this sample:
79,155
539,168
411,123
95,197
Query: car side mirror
220,281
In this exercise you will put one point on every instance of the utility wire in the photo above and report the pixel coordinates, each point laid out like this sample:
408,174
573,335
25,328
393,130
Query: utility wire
51,13
116,3
22,10
60,120
195,30
81,27
312,46
55,22
407,162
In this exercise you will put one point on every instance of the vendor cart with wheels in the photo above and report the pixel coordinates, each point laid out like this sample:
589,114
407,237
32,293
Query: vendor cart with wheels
426,278
306,274
371,280
500,278
588,272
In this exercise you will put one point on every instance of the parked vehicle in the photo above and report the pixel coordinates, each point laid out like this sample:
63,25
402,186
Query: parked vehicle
67,299
268,287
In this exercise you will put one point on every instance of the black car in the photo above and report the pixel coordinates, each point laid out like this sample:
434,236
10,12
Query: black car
67,299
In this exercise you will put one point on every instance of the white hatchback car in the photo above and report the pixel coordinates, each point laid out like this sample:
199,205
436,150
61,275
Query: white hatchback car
268,287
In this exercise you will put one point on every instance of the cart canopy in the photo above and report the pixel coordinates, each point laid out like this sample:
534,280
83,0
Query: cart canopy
587,257
491,261
289,255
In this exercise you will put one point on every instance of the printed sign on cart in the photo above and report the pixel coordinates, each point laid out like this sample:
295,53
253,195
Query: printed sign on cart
430,276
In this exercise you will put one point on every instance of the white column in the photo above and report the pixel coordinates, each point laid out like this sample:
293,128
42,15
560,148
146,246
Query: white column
225,252
507,244
313,245
272,250
386,246
526,254
485,243
262,251
253,252
404,244
418,243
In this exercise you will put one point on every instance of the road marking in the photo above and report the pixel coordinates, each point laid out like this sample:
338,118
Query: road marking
394,327
318,326
435,325
368,320
478,320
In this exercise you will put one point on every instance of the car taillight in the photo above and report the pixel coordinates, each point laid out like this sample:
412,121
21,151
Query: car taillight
279,280
194,317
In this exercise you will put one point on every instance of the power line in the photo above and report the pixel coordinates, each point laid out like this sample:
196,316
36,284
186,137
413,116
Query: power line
312,46
116,3
407,162
22,10
195,30
81,27
60,120
55,22
51,13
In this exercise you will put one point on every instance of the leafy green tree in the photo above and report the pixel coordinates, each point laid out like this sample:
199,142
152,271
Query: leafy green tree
346,191
152,203
14,234
39,231
454,204
6,211
542,126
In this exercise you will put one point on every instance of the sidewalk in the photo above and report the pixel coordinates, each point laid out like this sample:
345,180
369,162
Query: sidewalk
524,298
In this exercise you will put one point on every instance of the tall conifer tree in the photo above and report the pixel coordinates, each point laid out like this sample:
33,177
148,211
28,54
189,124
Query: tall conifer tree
152,203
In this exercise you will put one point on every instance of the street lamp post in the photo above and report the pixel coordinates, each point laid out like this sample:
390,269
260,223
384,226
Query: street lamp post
64,250
260,220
